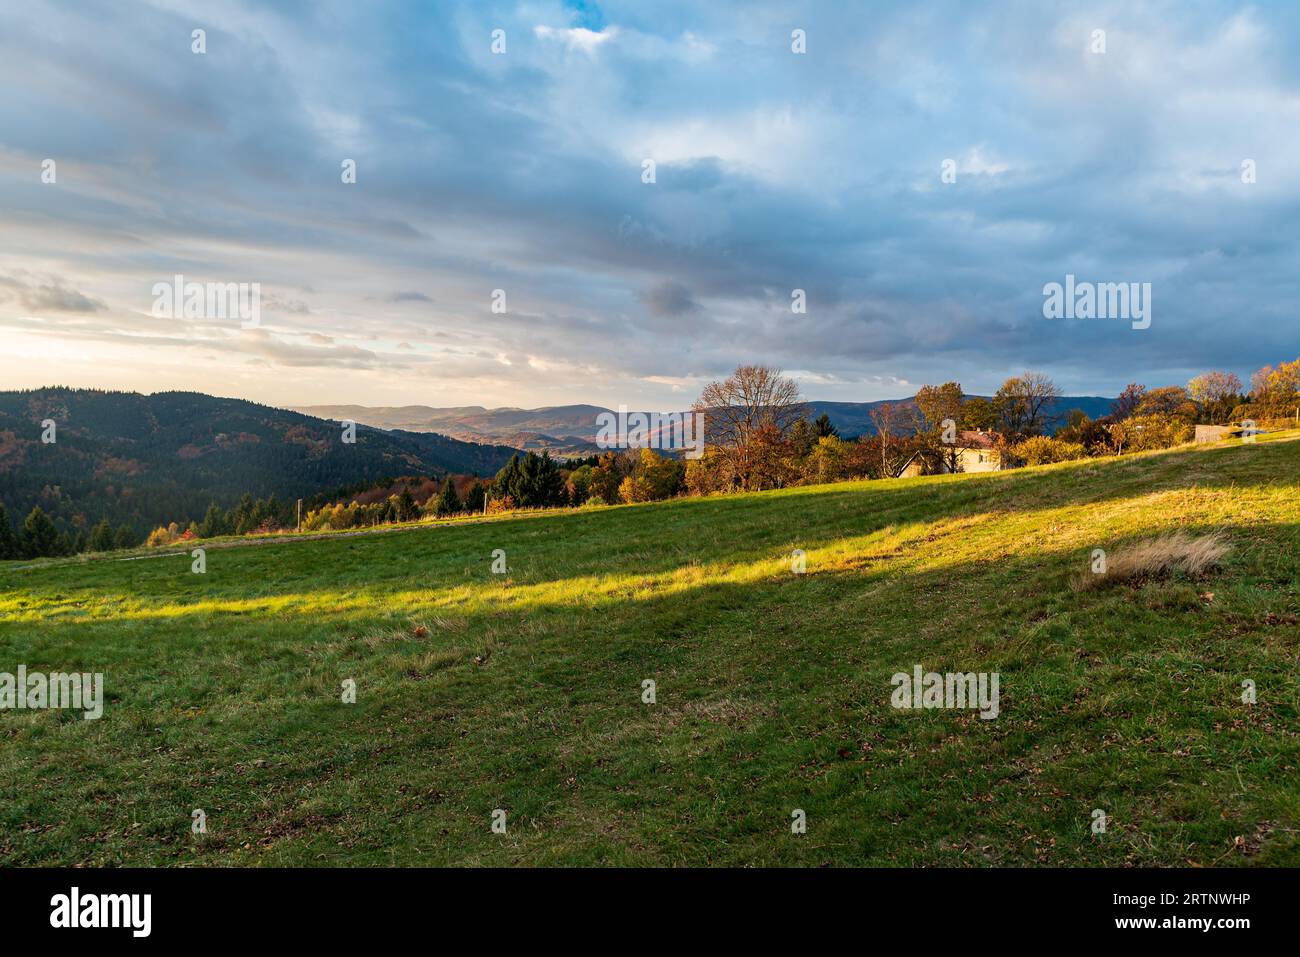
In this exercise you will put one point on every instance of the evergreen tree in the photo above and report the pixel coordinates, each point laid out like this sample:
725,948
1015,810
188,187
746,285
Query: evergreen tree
822,427
213,524
448,501
125,537
274,511
101,537
549,487
475,497
406,507
507,480
802,438
40,537
533,482
8,540
241,518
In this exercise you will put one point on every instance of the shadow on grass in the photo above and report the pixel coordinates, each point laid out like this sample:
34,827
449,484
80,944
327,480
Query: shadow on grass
769,692
665,536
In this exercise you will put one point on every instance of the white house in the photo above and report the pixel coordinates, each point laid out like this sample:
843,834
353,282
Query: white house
973,451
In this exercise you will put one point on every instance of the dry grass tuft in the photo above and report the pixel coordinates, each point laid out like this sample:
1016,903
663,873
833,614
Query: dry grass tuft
1156,557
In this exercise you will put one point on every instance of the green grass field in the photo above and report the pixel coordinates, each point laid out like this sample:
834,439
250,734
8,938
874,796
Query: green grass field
773,688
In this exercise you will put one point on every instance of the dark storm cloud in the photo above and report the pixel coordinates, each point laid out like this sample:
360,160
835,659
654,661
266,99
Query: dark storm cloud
669,299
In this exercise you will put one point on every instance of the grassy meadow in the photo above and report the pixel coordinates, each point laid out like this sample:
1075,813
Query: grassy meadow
478,691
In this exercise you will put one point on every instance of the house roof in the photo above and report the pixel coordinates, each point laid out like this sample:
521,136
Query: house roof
968,439
900,469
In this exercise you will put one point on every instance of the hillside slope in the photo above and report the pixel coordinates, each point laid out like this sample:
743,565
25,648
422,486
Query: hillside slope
772,689
149,459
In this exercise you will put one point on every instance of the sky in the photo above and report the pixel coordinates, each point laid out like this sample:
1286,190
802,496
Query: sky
921,171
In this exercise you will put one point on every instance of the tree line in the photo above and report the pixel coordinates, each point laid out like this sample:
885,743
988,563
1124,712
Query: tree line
759,435
39,537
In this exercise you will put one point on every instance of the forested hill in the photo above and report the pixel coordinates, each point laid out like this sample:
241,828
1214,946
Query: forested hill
146,460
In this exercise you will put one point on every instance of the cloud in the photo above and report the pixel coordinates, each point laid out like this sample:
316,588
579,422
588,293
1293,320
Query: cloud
776,171
280,304
51,296
312,354
576,38
669,299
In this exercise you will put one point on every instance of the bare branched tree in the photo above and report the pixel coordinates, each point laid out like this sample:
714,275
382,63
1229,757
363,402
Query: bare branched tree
750,400
888,417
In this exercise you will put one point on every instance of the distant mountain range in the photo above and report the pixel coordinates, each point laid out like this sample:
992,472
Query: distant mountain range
571,429
147,460
854,418
561,429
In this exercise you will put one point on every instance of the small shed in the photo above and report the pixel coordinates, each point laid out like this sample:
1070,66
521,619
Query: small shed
915,465
1216,433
